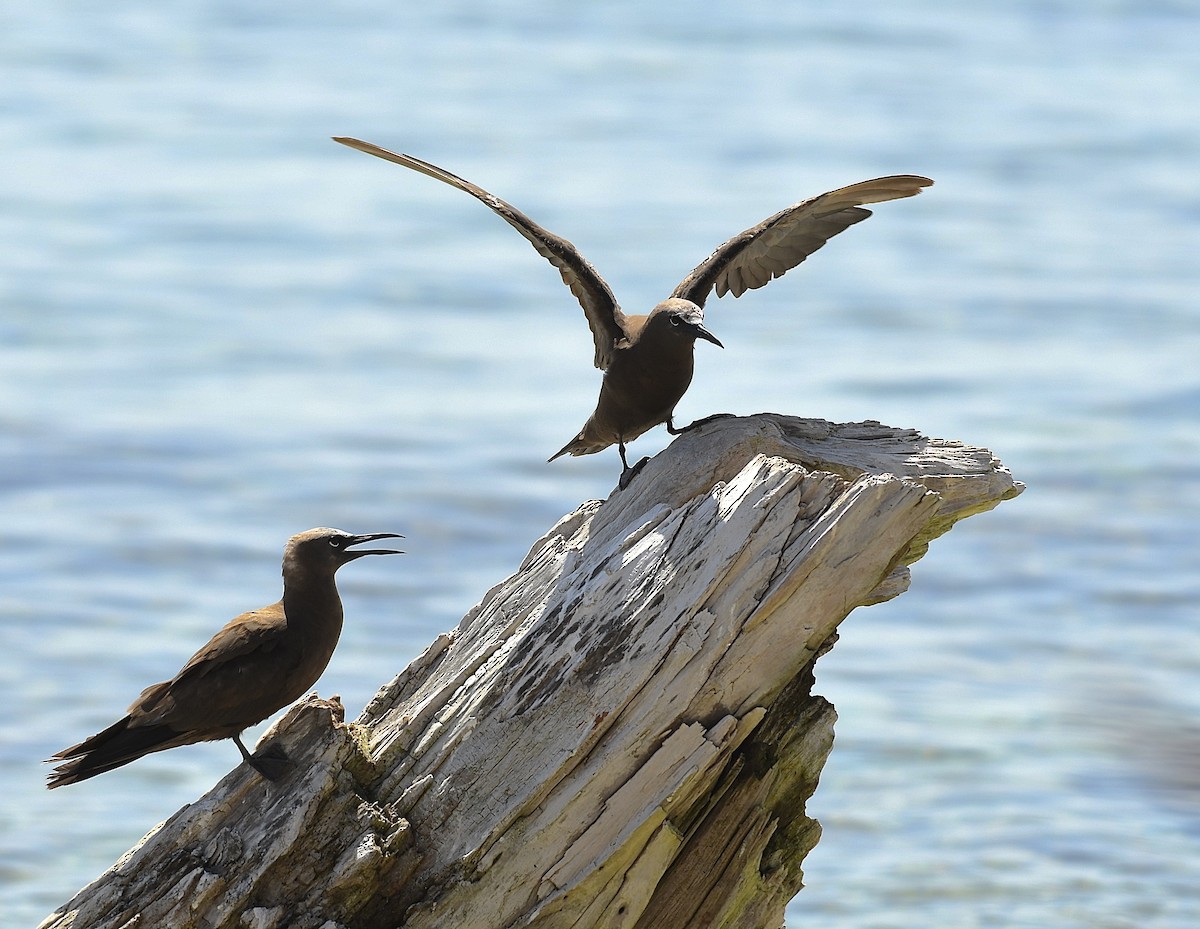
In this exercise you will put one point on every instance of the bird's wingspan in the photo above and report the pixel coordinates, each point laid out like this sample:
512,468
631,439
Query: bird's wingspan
780,242
600,307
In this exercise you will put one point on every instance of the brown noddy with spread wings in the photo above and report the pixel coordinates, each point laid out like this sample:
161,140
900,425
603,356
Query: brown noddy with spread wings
647,360
257,663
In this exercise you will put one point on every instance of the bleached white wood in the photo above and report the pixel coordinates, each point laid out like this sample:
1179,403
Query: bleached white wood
620,734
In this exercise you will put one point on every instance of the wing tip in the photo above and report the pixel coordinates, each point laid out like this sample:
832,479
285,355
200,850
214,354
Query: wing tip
897,186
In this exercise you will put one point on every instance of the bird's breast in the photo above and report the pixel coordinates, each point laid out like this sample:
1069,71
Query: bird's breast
652,378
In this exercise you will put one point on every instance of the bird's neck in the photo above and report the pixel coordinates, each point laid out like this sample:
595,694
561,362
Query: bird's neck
665,347
311,603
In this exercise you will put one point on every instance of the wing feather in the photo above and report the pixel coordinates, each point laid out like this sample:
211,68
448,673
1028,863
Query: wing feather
780,242
604,316
230,653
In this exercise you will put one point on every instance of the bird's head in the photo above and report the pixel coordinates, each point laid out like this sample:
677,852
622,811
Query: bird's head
326,550
683,319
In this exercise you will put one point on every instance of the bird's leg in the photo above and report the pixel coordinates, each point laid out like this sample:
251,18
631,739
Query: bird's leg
271,763
628,473
695,424
237,740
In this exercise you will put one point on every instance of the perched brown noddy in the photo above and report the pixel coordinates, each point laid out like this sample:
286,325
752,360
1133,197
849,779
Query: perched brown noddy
258,663
647,360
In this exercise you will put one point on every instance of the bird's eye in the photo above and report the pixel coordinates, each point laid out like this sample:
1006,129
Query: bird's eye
337,542
675,320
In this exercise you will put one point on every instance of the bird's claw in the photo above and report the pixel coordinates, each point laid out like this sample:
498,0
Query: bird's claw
271,762
696,424
630,473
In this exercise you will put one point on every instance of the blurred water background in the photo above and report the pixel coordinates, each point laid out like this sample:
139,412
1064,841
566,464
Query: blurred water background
218,328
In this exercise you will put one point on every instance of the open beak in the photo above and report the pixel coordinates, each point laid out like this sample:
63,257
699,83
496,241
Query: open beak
370,537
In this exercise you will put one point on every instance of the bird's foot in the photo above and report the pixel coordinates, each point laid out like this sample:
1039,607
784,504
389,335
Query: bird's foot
630,473
271,762
696,424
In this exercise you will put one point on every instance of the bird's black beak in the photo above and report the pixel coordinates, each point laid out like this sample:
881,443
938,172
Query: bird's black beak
370,537
702,333
692,322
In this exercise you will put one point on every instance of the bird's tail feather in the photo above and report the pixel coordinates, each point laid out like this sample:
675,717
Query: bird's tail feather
117,745
566,449
580,446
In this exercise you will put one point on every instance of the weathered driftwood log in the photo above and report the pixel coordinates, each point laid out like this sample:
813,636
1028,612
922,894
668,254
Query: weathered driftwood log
620,734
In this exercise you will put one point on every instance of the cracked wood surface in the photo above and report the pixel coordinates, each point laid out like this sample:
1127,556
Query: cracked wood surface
620,734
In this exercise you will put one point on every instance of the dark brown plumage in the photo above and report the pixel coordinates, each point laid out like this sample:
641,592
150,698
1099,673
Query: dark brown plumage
647,360
258,663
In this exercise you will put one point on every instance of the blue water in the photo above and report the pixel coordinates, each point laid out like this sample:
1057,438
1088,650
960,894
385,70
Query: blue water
218,328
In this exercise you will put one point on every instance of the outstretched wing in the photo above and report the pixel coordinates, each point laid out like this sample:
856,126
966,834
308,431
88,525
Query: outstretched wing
780,242
604,316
